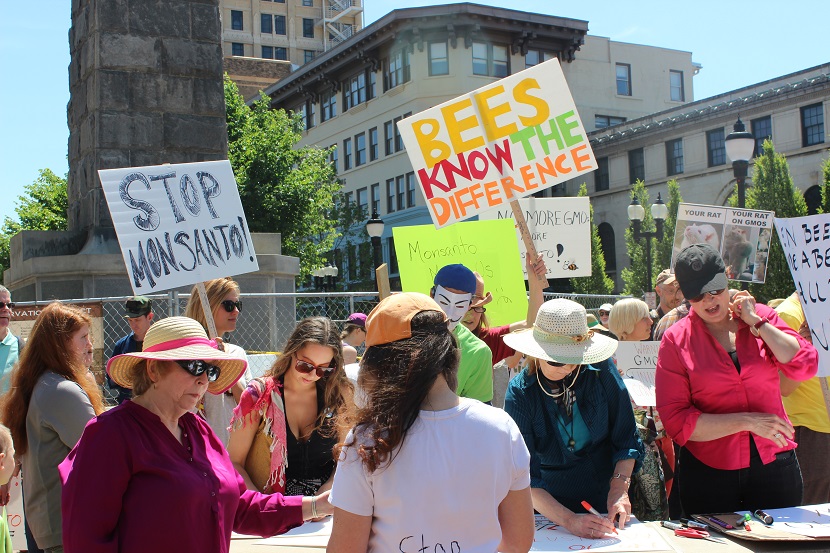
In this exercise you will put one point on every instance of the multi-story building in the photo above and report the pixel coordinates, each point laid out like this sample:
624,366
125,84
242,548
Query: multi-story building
412,59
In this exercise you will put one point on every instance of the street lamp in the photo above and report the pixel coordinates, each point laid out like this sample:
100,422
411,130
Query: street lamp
739,147
374,228
325,277
636,213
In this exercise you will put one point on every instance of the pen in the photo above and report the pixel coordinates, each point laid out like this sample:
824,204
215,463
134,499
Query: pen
721,523
694,524
594,512
763,517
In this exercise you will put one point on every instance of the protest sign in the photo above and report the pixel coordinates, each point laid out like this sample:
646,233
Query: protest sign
741,236
509,139
637,362
178,224
806,244
561,230
15,519
488,247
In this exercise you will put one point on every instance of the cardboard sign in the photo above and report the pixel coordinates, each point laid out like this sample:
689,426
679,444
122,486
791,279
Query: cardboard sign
806,243
561,230
178,224
509,139
488,247
742,236
637,362
14,514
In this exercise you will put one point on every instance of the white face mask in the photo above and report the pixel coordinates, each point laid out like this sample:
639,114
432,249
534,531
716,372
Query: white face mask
454,305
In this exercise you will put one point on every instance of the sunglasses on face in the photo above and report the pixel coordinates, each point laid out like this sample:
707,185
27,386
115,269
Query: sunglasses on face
555,364
198,367
307,368
712,293
603,313
10,305
479,309
230,305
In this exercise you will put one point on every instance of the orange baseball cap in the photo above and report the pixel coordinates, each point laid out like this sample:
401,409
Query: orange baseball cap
391,319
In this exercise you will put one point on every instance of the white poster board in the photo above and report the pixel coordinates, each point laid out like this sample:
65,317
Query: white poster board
178,224
808,520
14,514
637,362
560,229
516,136
742,236
806,243
636,536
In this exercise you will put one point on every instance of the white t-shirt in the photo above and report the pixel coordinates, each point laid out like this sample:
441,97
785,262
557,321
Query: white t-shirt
443,488
219,408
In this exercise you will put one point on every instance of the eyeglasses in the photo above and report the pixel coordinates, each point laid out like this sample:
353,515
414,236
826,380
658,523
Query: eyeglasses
230,305
10,305
479,309
555,364
197,367
601,313
307,368
712,293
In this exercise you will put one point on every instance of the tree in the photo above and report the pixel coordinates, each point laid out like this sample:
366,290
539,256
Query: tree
598,282
43,207
283,188
825,187
773,190
665,246
635,276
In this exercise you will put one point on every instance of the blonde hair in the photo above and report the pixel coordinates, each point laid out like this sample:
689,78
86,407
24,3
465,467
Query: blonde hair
624,316
216,290
6,442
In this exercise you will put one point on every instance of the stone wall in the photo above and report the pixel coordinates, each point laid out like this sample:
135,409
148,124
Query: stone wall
252,74
145,81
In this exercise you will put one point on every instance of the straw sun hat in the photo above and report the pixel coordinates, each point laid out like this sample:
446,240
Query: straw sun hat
178,339
561,334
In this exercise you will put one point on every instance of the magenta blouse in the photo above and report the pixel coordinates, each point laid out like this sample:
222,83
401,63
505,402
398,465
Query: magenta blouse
130,486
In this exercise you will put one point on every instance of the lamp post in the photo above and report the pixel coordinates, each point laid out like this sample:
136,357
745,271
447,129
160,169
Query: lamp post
374,228
739,147
659,212
325,277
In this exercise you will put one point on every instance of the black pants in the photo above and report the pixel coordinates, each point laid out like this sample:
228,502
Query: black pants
704,489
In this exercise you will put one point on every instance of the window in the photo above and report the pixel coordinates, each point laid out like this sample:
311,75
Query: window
716,147
333,157
812,125
359,149
390,195
398,137
306,110
375,191
266,24
439,62
602,121
237,49
389,138
624,79
636,165
393,257
236,20
397,70
280,53
308,28
601,177
308,55
410,189
490,60
678,94
354,93
328,105
347,154
535,57
268,52
609,248
362,201
280,1
279,24
308,2
373,144
674,156
761,130
401,186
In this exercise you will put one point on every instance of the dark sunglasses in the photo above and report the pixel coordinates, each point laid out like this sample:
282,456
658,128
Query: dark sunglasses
479,309
10,305
307,368
230,305
712,293
601,313
197,367
555,364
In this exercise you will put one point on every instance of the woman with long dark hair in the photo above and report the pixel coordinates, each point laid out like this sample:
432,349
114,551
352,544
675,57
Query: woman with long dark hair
422,463
50,402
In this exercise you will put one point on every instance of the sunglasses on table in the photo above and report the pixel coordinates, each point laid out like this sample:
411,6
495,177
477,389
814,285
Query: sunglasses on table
712,293
230,305
197,367
479,309
10,305
307,368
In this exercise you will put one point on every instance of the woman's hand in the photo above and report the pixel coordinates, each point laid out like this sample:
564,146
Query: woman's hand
322,505
589,526
771,427
743,307
619,504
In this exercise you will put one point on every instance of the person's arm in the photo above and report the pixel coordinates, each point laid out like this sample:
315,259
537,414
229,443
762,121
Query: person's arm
240,442
618,504
785,345
516,522
67,409
787,385
349,533
536,282
582,525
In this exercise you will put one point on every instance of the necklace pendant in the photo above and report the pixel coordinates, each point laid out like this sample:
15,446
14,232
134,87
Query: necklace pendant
571,444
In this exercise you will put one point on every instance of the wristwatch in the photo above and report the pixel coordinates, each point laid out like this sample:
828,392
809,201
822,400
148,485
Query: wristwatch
756,328
626,479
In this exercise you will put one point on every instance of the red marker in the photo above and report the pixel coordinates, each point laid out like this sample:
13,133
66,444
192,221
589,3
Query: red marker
594,512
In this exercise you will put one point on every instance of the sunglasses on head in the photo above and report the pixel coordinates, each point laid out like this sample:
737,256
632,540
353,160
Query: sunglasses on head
197,367
479,309
230,305
712,293
9,304
307,368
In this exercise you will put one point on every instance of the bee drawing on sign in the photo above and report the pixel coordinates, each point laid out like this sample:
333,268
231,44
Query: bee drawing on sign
570,265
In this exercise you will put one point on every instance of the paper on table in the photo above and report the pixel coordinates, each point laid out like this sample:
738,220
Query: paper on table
636,536
808,520
310,534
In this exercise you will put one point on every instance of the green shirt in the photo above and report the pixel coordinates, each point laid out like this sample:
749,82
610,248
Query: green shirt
8,358
475,371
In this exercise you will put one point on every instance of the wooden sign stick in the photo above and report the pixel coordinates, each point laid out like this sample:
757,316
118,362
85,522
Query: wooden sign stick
521,224
825,391
382,277
208,312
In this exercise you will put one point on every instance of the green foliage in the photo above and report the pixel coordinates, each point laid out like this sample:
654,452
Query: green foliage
283,188
43,207
635,276
773,189
825,187
598,282
666,245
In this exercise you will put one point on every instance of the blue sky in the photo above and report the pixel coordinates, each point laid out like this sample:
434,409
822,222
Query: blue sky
737,43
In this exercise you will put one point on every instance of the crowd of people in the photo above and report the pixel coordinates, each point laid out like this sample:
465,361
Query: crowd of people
196,442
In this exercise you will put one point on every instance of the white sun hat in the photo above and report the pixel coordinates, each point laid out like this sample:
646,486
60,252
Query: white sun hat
561,334
178,339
